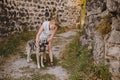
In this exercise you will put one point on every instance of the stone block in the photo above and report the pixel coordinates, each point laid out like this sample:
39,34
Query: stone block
114,52
114,37
116,24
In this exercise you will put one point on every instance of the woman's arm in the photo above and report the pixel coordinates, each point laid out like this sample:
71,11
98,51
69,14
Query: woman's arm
38,34
52,35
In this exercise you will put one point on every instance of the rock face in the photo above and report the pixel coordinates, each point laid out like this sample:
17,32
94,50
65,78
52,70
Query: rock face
20,15
102,33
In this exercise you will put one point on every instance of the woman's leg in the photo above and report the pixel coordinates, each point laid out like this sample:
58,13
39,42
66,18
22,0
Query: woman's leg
50,51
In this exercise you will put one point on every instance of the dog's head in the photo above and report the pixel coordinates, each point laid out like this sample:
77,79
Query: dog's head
43,42
43,45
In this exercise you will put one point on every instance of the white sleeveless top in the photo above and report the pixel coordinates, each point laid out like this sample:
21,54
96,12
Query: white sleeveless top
46,32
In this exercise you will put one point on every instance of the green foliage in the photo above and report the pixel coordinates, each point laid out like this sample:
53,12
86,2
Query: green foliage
12,44
83,13
43,77
83,2
102,72
35,76
79,62
62,29
105,27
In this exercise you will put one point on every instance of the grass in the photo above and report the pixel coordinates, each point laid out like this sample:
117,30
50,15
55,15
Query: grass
38,76
79,62
13,43
35,76
83,11
43,77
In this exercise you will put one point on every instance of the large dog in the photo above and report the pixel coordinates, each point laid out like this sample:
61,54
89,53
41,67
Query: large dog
38,50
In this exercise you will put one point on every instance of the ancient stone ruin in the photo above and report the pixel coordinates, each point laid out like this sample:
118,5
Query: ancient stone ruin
102,33
20,15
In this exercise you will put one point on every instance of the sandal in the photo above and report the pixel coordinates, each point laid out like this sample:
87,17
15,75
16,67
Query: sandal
51,64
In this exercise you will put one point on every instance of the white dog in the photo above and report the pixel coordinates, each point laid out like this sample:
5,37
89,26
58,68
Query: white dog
38,50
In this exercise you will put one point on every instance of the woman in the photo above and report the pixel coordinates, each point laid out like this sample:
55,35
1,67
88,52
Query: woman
47,31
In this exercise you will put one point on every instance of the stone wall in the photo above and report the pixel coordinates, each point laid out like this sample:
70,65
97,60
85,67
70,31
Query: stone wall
20,15
102,33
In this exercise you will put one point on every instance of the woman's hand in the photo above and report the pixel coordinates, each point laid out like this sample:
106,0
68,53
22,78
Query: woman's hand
36,43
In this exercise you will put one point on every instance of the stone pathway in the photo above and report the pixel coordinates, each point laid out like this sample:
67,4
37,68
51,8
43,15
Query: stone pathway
19,67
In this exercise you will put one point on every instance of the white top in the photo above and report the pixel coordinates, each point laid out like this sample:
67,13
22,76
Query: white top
45,34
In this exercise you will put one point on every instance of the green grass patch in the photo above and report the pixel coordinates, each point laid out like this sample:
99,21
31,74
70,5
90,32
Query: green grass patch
79,62
83,6
43,77
15,42
35,76
38,76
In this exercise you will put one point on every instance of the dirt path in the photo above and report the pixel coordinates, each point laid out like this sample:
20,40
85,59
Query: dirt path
19,67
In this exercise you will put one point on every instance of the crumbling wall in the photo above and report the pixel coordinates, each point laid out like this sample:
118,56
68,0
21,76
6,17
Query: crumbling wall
20,15
102,33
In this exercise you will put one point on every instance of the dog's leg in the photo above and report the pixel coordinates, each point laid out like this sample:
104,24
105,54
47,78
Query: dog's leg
37,57
28,55
38,63
44,55
42,59
28,51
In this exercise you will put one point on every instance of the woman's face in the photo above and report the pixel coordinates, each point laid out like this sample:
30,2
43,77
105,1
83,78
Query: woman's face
52,26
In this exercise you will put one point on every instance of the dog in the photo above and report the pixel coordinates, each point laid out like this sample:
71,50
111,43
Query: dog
39,50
